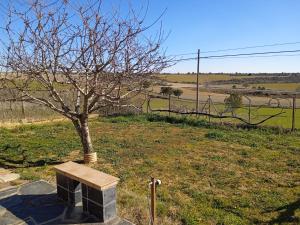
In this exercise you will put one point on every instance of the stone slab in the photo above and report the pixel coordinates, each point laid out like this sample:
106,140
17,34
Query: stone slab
4,178
87,175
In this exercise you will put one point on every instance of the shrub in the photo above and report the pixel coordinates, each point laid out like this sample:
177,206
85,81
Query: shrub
234,101
261,88
177,92
166,90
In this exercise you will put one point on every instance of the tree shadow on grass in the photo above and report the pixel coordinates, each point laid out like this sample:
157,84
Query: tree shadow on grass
7,161
15,164
287,214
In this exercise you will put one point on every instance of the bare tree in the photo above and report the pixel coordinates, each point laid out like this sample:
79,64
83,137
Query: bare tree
76,60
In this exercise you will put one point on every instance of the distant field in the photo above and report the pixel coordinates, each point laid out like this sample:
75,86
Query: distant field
271,86
193,78
280,86
190,79
210,175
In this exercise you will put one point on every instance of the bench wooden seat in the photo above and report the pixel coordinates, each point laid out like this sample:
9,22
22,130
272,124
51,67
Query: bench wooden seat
86,175
94,190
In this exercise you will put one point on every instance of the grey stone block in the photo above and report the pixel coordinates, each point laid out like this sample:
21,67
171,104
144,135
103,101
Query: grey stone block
109,195
62,180
85,205
103,197
74,198
74,185
94,195
62,194
84,190
96,210
110,211
99,203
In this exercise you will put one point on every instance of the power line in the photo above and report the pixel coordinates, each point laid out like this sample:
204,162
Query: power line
255,46
185,59
249,54
259,56
240,48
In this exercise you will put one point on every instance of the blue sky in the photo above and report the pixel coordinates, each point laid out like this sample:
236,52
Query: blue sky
222,24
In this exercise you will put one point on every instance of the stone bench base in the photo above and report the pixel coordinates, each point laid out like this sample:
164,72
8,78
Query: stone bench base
96,191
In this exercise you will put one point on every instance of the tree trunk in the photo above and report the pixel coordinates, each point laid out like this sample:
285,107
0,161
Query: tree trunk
82,129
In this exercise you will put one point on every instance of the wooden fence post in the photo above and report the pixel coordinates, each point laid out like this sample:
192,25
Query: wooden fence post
148,101
23,109
293,113
209,108
169,105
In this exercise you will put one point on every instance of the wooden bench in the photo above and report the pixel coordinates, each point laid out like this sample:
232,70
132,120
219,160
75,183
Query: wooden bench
96,190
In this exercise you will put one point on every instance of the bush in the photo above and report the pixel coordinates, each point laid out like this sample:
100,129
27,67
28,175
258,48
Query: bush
234,101
166,90
177,92
261,88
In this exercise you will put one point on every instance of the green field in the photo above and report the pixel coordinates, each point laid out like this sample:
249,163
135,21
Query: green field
280,86
210,175
183,78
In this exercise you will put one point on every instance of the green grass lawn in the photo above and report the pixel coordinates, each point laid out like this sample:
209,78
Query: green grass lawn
210,175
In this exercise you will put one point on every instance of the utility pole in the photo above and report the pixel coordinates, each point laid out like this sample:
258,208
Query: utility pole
197,96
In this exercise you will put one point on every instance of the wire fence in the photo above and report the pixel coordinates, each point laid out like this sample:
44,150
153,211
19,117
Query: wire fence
273,112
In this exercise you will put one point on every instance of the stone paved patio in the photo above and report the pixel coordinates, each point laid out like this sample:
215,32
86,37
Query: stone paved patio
7,176
37,203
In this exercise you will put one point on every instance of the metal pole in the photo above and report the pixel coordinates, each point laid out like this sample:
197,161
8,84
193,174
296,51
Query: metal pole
294,113
153,200
197,96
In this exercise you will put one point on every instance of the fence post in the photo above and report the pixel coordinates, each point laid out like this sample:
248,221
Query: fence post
23,109
293,113
197,96
169,105
147,99
209,108
249,112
